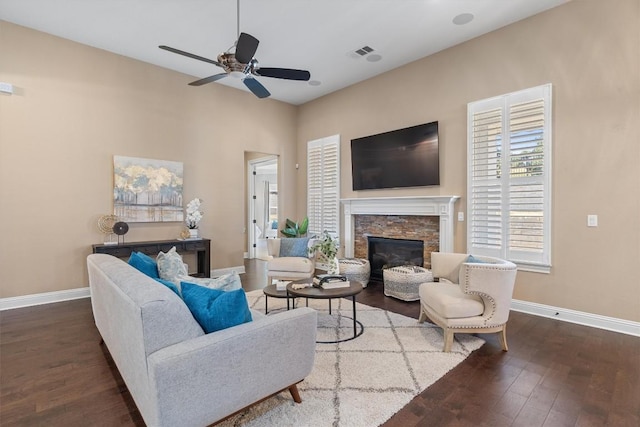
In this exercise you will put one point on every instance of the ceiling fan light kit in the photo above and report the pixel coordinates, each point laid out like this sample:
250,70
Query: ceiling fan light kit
243,65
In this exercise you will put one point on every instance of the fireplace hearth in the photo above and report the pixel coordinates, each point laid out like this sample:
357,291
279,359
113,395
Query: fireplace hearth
384,252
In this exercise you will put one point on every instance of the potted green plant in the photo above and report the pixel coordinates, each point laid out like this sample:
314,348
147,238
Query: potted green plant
294,229
327,248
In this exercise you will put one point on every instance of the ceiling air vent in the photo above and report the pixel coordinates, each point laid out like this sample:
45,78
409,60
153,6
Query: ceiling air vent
359,53
364,50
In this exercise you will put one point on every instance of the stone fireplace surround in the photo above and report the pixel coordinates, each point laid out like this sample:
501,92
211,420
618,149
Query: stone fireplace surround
402,230
441,207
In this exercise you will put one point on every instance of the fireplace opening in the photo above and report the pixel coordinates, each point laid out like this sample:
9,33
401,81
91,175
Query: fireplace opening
384,252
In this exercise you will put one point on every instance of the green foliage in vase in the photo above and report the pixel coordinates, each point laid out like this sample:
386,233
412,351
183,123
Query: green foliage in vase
293,229
326,245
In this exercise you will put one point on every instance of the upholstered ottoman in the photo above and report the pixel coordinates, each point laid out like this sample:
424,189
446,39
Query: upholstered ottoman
404,281
356,269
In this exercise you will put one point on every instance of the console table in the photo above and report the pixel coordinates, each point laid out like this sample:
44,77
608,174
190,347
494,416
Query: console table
201,247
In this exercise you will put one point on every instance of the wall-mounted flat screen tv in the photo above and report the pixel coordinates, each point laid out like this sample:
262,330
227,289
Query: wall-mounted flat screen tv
401,158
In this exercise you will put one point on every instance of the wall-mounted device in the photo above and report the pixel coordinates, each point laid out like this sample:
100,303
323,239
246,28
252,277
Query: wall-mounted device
406,157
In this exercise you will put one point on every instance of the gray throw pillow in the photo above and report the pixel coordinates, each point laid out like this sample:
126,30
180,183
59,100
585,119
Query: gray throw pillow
294,246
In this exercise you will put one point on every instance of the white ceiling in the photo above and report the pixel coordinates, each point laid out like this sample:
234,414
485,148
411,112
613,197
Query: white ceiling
314,35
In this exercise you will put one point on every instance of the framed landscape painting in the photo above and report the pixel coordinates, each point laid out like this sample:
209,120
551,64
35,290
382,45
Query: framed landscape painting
147,190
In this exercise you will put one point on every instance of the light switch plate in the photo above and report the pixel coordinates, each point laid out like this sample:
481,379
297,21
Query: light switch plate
6,88
460,216
592,220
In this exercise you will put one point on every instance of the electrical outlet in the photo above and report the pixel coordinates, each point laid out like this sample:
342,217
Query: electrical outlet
592,220
461,216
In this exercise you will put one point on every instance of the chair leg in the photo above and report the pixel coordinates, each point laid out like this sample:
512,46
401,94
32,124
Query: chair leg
295,394
448,340
503,338
423,315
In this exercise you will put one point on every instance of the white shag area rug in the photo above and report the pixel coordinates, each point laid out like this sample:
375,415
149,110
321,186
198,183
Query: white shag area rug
362,382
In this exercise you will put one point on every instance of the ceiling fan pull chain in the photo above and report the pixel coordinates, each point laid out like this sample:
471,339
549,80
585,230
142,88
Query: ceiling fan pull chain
237,20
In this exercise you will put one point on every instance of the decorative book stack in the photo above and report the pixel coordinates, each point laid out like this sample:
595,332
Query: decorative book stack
325,281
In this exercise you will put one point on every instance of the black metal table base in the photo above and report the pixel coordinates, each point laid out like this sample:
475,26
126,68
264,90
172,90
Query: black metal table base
356,322
356,334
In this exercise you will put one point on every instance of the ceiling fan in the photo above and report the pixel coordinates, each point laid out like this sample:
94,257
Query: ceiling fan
242,64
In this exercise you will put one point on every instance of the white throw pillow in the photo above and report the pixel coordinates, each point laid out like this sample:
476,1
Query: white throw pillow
227,282
170,265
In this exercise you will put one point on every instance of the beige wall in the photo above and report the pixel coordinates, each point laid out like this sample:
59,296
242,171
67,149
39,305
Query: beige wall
74,108
590,51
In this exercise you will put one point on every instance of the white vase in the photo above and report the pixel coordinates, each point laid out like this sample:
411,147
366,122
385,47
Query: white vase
333,266
193,233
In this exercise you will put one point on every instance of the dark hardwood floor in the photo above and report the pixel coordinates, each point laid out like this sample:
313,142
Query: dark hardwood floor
54,372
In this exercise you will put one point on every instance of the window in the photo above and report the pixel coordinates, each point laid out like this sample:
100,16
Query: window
323,185
509,178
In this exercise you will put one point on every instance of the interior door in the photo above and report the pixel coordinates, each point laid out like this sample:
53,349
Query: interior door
263,204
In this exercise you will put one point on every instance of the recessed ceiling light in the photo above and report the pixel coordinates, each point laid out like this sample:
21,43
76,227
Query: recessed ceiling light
463,18
314,83
374,57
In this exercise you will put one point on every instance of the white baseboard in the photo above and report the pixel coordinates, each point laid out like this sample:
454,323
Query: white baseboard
71,294
566,315
43,298
579,317
220,271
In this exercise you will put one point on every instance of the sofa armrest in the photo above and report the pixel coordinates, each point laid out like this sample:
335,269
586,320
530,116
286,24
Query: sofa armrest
207,378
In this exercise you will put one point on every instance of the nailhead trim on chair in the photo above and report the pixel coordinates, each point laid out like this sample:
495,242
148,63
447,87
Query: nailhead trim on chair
482,294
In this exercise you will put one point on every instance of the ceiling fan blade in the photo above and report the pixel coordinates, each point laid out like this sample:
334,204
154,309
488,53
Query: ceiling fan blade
284,73
190,55
208,79
256,87
246,48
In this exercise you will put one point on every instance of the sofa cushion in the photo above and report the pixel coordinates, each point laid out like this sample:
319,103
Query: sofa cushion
170,265
215,309
144,263
291,264
449,301
227,282
294,247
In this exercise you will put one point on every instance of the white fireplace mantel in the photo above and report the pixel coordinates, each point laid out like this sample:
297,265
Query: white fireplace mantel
440,206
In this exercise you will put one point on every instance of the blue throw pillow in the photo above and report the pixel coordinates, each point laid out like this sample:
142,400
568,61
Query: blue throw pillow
475,260
294,246
169,285
214,309
144,263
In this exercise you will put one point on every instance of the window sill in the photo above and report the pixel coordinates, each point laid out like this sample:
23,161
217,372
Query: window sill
533,268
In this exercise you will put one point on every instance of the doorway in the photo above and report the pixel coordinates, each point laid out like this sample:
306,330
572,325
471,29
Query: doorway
263,204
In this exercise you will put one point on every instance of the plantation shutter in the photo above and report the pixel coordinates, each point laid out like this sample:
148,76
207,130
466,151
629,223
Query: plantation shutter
509,177
323,185
485,192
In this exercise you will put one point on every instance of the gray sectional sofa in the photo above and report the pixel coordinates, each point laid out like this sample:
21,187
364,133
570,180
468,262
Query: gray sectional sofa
177,374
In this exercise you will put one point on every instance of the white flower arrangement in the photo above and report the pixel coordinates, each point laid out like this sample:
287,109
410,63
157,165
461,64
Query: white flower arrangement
193,213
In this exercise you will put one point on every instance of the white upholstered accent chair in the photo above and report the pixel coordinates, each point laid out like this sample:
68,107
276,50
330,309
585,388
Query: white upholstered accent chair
284,267
470,296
